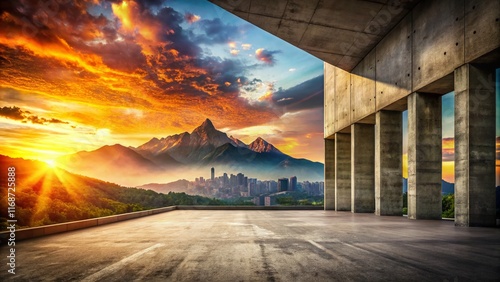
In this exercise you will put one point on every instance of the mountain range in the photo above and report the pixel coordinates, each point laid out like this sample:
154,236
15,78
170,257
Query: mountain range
446,187
180,155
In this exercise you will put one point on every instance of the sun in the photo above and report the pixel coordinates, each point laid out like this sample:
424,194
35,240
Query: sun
51,163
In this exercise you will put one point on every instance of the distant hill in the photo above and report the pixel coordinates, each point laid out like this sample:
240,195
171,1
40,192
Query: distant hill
176,186
113,163
446,187
47,195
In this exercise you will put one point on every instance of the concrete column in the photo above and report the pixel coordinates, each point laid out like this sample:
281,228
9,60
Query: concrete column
475,146
424,156
388,162
362,168
329,198
342,172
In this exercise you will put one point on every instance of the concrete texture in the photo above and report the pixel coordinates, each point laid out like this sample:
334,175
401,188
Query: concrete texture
329,199
482,28
29,233
424,156
393,65
475,146
388,160
363,88
438,40
262,246
329,100
419,54
342,99
362,168
342,172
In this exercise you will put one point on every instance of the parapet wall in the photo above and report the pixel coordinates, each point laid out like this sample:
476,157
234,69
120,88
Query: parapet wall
29,233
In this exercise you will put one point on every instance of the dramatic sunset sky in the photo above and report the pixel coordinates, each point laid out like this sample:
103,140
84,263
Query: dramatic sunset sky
84,74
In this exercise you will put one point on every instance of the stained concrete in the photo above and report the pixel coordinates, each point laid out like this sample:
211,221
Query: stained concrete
388,171
329,199
393,65
438,40
475,120
424,156
363,88
362,168
482,28
262,246
342,172
329,100
342,99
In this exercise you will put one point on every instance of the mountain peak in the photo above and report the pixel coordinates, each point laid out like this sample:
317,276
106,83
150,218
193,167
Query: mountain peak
206,126
207,123
260,145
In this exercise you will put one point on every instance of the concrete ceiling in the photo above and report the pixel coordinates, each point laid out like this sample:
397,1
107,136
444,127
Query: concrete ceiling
340,32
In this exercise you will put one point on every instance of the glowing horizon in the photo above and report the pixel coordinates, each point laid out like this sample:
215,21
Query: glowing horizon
125,72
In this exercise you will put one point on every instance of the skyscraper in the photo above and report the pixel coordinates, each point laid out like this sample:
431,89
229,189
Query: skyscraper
212,170
282,184
293,183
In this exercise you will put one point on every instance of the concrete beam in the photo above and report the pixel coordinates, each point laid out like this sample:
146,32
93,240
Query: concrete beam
329,198
329,100
424,156
342,172
342,99
363,88
362,168
482,28
388,160
475,119
438,40
393,65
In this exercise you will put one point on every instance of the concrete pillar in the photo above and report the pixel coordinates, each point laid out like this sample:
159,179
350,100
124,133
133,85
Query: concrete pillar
388,162
424,156
362,168
475,146
342,172
329,198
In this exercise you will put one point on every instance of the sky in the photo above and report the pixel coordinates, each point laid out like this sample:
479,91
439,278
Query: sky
78,75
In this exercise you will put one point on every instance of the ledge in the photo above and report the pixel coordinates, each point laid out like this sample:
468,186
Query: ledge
34,232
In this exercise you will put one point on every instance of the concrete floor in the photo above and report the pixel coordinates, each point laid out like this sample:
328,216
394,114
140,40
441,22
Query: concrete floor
199,245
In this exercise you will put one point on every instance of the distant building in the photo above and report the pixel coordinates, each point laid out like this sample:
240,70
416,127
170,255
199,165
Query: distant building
259,200
270,201
282,184
293,183
212,170
241,179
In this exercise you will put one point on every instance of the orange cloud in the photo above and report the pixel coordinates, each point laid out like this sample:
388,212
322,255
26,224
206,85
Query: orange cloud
121,79
191,18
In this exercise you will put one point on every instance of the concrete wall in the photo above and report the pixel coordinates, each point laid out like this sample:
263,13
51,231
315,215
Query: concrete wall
28,233
419,55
